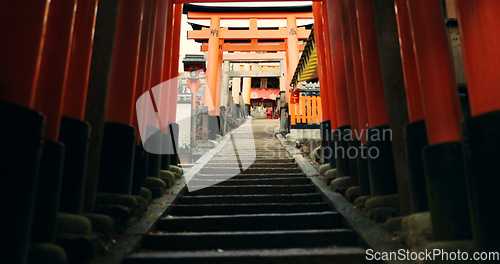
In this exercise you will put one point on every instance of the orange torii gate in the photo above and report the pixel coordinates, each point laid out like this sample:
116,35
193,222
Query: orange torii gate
216,39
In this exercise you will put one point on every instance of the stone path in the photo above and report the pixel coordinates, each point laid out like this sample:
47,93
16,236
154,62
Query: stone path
269,213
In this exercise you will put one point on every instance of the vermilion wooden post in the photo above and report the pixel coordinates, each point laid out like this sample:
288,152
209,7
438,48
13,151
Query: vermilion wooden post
145,40
375,101
359,82
329,65
149,63
118,148
79,65
439,89
22,27
443,158
161,60
167,101
219,79
48,99
343,125
124,67
337,55
140,172
410,71
381,167
74,132
349,65
325,84
480,47
54,64
481,53
24,22
174,72
323,80
416,136
159,70
362,113
347,44
212,64
292,51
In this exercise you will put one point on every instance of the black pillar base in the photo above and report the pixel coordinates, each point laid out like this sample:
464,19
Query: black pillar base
325,128
212,127
74,134
247,109
153,146
380,161
482,155
222,125
342,137
21,142
140,169
446,191
416,140
363,175
117,158
174,134
48,193
352,155
238,111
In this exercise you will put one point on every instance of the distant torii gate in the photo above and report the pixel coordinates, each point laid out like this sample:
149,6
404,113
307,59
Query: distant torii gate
226,39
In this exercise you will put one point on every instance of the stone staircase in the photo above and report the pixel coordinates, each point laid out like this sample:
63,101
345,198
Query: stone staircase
269,213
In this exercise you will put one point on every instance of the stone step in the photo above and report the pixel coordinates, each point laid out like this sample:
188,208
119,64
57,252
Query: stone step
251,198
236,170
254,157
206,181
251,208
235,164
216,159
253,189
251,222
250,240
249,176
344,255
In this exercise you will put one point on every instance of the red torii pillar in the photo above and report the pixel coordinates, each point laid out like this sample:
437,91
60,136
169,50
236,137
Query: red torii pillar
74,132
159,61
360,96
23,26
49,96
219,87
212,66
343,128
115,174
174,82
329,75
292,52
325,85
174,72
353,142
416,136
443,159
477,20
140,172
381,168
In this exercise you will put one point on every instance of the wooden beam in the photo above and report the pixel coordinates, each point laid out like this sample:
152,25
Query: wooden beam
255,33
258,74
254,57
231,1
202,15
251,47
